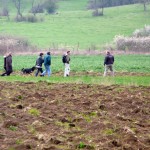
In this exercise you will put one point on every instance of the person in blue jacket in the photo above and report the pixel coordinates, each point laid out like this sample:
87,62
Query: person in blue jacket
47,64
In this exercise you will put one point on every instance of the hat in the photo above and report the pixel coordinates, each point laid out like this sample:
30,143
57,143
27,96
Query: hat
68,51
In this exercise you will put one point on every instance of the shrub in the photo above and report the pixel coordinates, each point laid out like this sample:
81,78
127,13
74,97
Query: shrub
97,13
20,18
37,9
14,44
50,6
4,12
142,32
31,18
132,43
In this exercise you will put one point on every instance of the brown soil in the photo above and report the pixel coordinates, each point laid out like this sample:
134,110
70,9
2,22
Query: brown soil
44,116
91,73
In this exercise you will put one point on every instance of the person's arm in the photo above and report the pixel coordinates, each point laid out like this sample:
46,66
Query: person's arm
67,59
105,60
5,63
113,59
50,60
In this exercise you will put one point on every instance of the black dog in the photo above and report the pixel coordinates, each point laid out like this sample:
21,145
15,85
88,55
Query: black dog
28,70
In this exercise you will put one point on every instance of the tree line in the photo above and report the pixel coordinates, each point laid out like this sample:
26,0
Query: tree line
34,7
50,6
99,5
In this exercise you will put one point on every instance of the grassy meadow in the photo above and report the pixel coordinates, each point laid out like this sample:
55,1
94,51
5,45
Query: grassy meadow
123,63
75,28
99,80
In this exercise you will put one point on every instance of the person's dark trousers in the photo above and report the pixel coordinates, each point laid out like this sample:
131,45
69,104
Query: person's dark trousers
4,74
7,73
38,70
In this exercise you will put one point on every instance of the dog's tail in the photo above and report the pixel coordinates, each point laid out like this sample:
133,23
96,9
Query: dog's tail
22,69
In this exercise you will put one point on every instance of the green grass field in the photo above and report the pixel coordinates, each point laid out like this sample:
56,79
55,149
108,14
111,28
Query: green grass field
83,64
123,63
74,27
119,80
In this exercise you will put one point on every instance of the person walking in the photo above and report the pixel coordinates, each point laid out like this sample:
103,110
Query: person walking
66,61
108,63
39,63
47,63
7,65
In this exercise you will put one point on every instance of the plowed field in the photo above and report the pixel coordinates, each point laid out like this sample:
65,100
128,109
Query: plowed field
44,116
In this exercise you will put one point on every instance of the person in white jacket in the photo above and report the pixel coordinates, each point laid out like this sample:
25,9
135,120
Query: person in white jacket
67,64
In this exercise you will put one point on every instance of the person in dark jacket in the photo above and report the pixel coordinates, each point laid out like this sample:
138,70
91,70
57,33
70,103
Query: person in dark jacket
7,65
47,63
108,63
39,63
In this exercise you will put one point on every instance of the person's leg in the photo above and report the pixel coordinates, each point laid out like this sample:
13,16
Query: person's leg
44,72
4,74
48,71
111,69
41,70
37,72
106,70
8,72
67,70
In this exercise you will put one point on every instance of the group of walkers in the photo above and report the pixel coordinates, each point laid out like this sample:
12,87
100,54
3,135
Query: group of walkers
108,64
47,64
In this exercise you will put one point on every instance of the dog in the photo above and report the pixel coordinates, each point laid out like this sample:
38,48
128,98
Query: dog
28,70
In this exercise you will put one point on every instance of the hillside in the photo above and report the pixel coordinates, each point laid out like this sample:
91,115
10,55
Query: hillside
75,28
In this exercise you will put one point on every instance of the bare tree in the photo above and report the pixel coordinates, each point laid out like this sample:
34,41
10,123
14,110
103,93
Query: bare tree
5,10
18,5
32,3
96,5
144,3
37,6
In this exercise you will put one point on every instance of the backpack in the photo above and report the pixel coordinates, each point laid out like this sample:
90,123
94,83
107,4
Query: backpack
64,60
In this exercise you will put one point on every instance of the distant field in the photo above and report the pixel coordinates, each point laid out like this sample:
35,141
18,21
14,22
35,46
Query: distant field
75,28
123,63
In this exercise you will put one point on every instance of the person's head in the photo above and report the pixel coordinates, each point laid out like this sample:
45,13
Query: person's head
41,54
48,53
9,54
68,52
108,52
